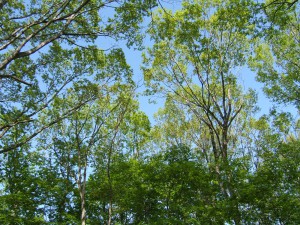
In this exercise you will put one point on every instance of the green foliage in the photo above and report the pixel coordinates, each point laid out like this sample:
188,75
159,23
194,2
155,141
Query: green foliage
96,158
47,46
276,53
274,187
21,195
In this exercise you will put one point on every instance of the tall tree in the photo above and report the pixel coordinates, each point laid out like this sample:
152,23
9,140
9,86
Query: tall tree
75,140
193,61
116,168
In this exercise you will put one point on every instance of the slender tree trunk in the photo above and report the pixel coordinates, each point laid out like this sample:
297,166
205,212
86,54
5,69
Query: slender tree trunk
110,189
82,189
81,183
109,213
83,210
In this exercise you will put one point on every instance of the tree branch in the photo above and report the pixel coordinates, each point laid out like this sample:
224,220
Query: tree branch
27,139
2,76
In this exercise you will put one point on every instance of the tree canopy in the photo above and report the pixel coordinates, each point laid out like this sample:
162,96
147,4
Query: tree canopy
76,148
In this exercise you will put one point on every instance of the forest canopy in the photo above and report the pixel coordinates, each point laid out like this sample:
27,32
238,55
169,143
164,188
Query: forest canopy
76,148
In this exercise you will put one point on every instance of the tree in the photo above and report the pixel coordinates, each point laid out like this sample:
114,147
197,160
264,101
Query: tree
115,179
48,45
193,62
76,140
83,133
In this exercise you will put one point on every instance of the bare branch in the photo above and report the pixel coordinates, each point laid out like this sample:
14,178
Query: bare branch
2,76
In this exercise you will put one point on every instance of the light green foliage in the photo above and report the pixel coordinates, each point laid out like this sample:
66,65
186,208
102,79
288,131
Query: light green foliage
277,52
136,128
193,62
172,126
